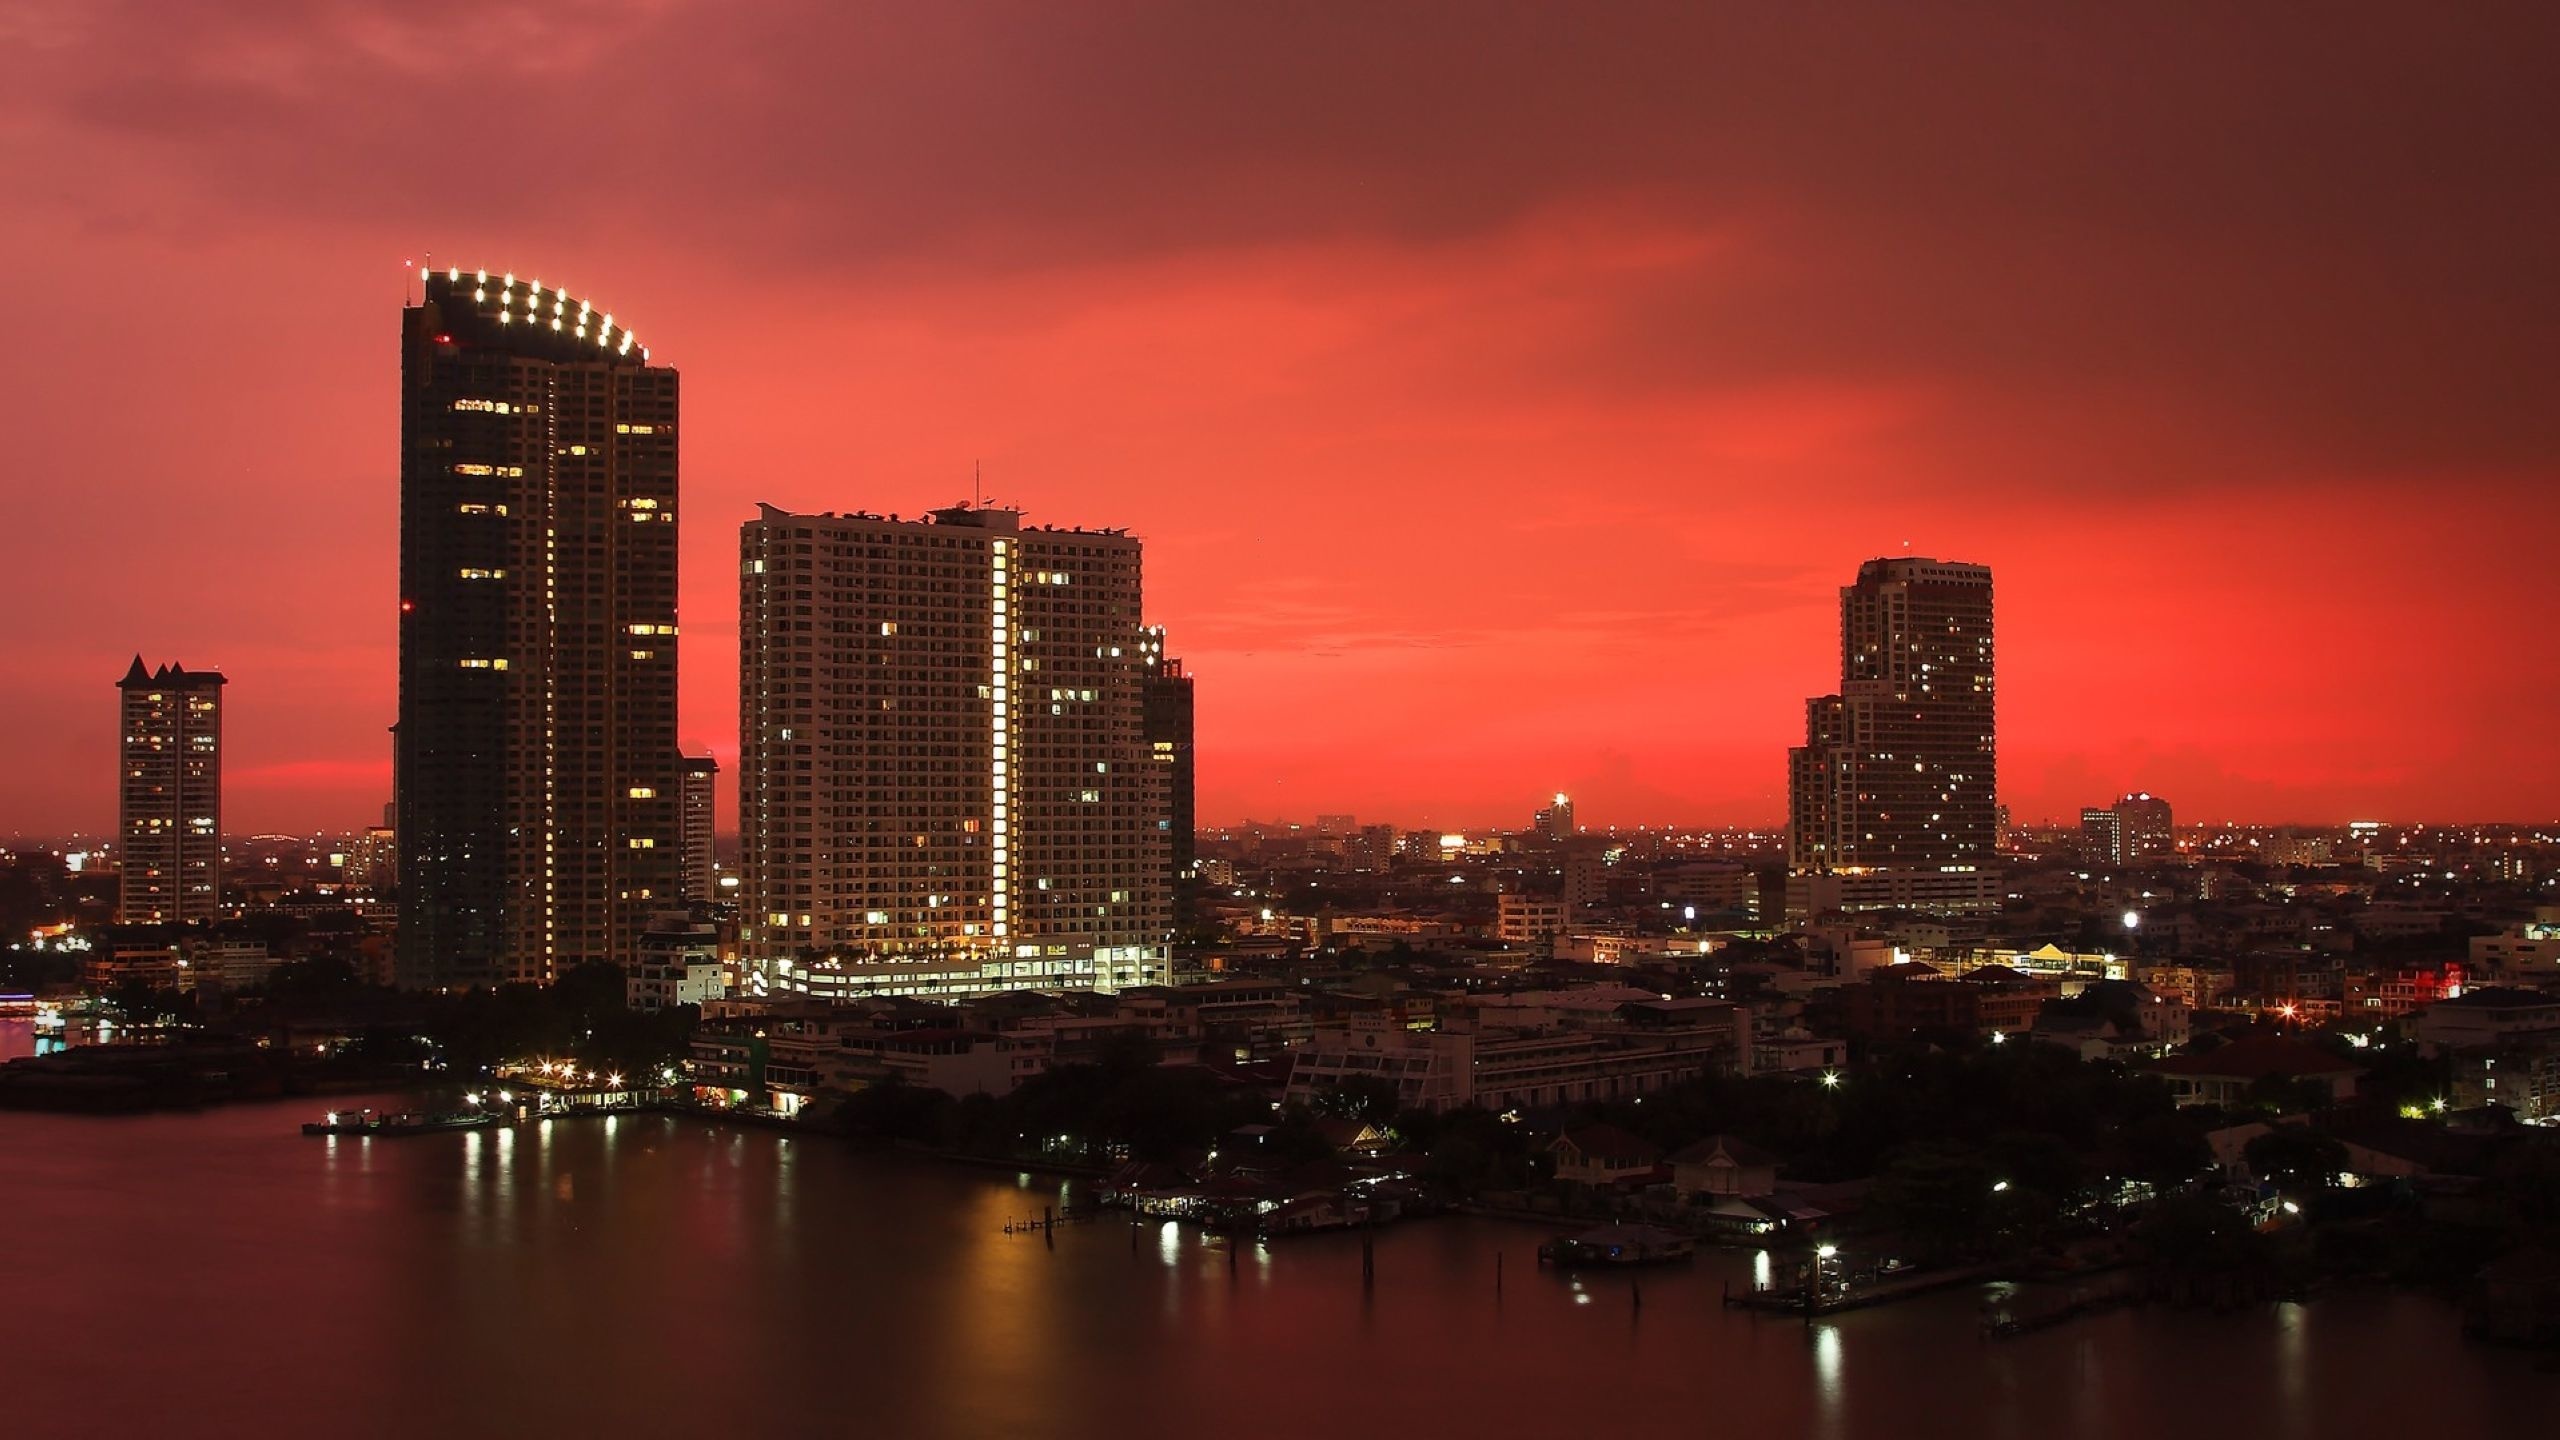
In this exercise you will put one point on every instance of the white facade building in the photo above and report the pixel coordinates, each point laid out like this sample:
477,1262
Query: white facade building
943,768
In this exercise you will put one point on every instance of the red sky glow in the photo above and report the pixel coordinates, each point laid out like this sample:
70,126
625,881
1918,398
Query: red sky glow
1503,392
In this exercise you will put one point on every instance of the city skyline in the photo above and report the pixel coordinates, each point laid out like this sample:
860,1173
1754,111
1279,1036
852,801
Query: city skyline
2245,507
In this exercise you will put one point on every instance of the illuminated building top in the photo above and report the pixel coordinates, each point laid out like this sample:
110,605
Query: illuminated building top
525,316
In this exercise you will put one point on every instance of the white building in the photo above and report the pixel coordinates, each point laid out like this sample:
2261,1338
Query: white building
942,755
676,963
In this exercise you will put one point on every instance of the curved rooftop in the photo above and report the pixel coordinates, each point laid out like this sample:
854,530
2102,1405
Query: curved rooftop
500,307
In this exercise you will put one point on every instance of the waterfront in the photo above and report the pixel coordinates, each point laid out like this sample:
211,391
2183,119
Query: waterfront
219,1274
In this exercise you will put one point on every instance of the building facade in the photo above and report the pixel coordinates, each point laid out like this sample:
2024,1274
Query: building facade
942,752
169,795
1899,771
1168,709
536,775
697,805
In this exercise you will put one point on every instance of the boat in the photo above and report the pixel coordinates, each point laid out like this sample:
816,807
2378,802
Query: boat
1619,1245
366,1122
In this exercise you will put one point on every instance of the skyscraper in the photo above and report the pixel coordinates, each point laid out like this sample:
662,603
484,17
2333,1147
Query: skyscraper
1167,705
942,749
701,783
1899,772
536,770
1554,822
2147,826
169,795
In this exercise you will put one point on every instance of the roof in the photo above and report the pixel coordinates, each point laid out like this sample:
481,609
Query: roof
168,677
480,307
1733,1147
2500,997
1608,1142
2256,1058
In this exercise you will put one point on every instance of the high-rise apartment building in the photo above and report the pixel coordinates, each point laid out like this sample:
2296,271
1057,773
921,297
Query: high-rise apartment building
1167,705
700,781
537,782
2102,834
1899,770
169,795
943,754
1554,821
2132,830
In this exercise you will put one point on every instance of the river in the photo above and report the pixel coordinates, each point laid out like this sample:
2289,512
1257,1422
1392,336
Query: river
220,1274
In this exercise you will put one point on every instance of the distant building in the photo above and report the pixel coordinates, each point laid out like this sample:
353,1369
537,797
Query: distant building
1710,887
2134,830
2146,829
696,807
1899,771
1959,891
677,962
2227,1076
536,768
1529,920
1555,822
1902,1000
2101,834
1167,703
943,766
2528,950
169,795
374,863
1634,1050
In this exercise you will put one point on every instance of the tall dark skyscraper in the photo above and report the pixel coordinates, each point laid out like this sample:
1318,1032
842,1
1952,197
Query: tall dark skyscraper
537,769
169,795
1165,693
1899,770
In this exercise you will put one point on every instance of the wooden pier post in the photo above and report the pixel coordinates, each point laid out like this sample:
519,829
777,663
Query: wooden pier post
1368,1262
1497,1273
1638,1289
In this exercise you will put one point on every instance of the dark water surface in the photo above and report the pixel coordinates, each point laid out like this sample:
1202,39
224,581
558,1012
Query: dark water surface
220,1274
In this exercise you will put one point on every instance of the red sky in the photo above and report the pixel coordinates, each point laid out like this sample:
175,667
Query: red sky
1503,392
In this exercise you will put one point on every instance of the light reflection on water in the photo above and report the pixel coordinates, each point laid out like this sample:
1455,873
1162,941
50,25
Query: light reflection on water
293,1287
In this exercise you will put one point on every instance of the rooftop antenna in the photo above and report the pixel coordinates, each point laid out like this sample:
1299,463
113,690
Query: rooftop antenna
977,486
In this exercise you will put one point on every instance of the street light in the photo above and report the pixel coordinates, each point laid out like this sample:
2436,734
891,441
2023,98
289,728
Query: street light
1830,1079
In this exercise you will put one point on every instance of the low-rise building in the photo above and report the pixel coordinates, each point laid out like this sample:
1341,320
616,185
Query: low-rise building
2484,1018
2231,1074
676,963
2528,951
1619,1054
1532,921
1724,1167
1604,1155
1899,1001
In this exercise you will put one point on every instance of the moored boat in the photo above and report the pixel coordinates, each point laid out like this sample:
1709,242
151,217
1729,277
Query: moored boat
1619,1245
366,1122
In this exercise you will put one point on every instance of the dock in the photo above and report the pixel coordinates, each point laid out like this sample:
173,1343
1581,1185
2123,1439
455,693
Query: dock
1808,1301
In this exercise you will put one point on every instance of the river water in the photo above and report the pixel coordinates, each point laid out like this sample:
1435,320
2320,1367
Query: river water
221,1274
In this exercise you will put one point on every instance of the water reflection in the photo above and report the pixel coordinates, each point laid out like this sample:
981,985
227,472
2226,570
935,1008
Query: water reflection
333,1287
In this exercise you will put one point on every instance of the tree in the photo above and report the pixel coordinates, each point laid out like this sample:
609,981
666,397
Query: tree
2296,1158
1365,1098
